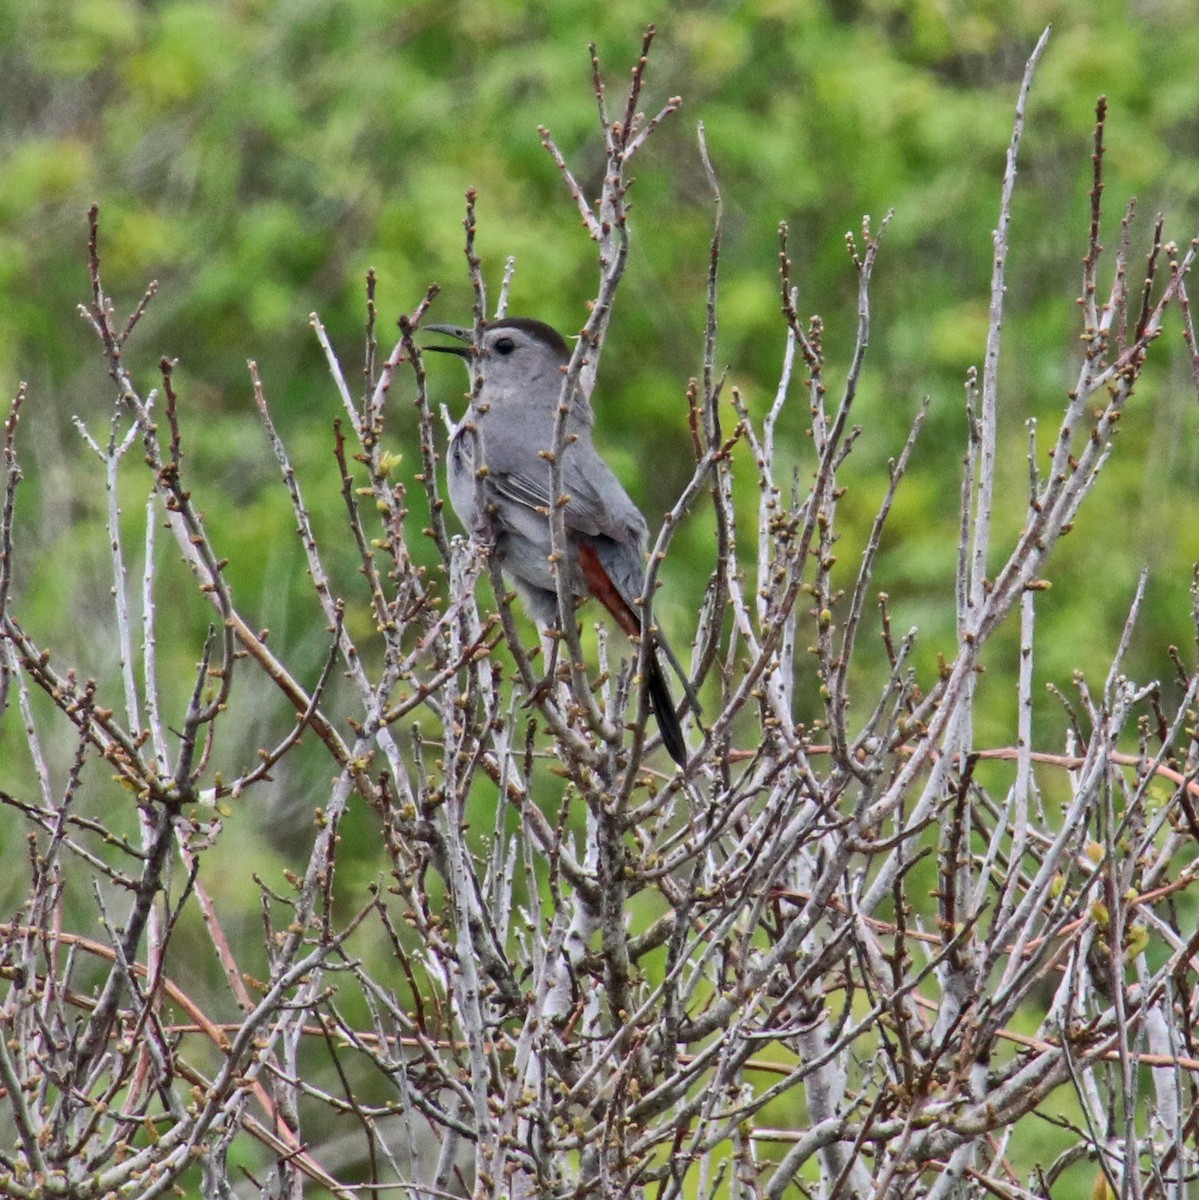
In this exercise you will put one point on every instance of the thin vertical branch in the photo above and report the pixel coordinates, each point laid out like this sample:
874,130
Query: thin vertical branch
988,416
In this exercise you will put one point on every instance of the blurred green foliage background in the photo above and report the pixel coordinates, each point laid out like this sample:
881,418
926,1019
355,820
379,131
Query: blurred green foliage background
256,158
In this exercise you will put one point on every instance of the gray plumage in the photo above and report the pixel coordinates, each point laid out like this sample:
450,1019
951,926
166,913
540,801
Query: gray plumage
508,429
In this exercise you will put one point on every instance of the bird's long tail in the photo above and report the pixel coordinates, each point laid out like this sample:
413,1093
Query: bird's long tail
600,585
663,707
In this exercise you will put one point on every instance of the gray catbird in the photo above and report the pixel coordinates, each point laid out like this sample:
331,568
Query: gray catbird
513,419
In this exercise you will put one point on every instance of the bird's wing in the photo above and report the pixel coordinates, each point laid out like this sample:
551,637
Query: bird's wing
524,490
598,505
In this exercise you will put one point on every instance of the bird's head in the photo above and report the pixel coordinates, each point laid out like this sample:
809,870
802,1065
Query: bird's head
516,353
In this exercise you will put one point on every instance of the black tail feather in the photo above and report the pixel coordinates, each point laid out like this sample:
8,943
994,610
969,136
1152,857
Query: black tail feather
663,708
677,667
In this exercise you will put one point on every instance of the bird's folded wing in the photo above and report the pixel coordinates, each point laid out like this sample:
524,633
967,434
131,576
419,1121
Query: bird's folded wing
585,512
522,490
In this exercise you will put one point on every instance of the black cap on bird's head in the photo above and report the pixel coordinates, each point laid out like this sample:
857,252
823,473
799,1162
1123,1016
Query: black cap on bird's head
494,340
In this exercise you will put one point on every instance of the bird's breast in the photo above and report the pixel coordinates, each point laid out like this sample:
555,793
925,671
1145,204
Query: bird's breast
461,473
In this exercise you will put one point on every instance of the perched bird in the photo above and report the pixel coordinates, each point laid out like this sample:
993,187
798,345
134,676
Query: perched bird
509,430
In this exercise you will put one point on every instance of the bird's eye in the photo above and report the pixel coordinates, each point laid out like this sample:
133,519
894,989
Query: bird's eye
504,345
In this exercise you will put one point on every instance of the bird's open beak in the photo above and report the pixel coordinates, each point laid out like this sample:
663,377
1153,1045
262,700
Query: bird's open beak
454,331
